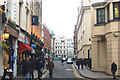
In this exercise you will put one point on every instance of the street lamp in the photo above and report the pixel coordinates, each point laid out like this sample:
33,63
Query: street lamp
6,34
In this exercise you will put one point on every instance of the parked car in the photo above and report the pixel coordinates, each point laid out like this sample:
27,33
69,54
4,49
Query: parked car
64,59
69,61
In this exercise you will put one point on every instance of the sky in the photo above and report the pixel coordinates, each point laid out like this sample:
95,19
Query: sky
60,16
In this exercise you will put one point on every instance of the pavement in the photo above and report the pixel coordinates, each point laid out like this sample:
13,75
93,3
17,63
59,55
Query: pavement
35,75
92,75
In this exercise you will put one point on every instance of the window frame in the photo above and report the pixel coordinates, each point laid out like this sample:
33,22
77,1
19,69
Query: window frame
97,15
114,10
108,13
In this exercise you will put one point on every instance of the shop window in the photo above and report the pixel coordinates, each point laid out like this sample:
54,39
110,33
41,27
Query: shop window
116,10
100,15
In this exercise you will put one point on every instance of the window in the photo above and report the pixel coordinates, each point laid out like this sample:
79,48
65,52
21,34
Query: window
56,47
58,51
64,51
100,15
56,55
64,55
116,10
56,43
64,47
108,16
61,51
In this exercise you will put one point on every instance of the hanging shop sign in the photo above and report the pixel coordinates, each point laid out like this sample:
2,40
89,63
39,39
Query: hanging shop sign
21,37
12,31
35,20
33,45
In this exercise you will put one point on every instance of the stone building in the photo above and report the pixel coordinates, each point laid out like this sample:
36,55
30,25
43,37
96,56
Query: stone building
84,30
61,49
105,35
70,47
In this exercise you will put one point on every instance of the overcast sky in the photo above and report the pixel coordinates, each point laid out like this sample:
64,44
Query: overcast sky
61,16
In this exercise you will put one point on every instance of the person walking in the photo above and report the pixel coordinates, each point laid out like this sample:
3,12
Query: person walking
27,69
39,68
78,63
23,66
62,61
50,68
113,69
31,67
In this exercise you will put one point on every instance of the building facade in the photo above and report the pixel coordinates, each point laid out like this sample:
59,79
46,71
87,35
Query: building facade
70,47
84,30
52,55
75,41
105,35
19,26
61,49
47,40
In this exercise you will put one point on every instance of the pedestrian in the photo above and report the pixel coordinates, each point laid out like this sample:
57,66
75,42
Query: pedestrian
113,69
50,68
28,69
31,67
39,68
62,61
43,60
23,66
78,63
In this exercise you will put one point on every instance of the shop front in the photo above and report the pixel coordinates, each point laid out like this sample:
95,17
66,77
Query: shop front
24,50
9,46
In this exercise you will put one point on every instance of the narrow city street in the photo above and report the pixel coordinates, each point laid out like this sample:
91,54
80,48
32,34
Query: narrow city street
67,71
37,36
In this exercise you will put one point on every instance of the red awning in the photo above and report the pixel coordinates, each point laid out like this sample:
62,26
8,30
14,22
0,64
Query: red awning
23,47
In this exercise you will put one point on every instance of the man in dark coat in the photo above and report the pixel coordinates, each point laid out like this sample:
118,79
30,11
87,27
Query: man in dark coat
50,68
39,68
27,68
62,61
23,66
113,69
31,67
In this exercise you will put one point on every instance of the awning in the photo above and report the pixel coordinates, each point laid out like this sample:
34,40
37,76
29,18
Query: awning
23,47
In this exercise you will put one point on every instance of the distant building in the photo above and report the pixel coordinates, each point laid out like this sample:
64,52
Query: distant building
47,40
61,49
75,40
70,47
52,55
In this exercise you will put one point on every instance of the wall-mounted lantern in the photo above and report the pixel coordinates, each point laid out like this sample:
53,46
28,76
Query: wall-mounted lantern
6,34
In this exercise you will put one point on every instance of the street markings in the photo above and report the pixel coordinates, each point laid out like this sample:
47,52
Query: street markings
69,69
44,75
76,73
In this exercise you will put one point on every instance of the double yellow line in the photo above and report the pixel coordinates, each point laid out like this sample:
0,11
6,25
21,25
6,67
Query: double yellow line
76,73
43,76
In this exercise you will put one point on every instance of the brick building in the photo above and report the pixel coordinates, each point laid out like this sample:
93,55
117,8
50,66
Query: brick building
46,39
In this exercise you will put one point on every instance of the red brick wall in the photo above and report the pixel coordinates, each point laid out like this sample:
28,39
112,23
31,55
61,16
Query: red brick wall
46,38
